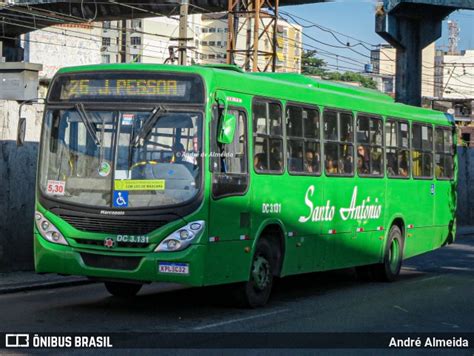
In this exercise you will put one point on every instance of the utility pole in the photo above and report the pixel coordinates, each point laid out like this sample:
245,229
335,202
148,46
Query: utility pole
248,39
275,35
183,31
257,24
123,37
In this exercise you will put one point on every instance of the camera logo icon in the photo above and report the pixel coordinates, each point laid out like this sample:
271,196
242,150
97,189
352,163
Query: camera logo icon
17,340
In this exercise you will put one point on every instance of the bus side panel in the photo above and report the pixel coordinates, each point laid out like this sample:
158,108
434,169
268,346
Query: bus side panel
420,230
227,262
369,243
399,205
445,209
356,238
306,248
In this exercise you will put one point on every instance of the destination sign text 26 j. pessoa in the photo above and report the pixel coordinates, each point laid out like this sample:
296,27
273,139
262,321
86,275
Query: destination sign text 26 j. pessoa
128,87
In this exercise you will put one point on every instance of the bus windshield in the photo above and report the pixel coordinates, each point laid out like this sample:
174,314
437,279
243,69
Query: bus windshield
121,159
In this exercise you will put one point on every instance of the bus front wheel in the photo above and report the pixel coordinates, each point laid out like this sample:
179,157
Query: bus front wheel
122,290
256,292
389,269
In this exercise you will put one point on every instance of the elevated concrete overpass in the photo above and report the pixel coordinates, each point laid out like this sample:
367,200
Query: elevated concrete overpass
21,16
410,26
43,13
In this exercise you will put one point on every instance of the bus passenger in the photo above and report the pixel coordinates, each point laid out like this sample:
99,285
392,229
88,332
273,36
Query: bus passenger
331,166
179,156
311,163
362,160
348,164
260,162
275,159
403,165
376,162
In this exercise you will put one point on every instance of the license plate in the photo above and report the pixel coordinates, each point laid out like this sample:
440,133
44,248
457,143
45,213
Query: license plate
173,268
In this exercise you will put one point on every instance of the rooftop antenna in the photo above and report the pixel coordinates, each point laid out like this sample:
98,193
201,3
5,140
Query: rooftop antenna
453,37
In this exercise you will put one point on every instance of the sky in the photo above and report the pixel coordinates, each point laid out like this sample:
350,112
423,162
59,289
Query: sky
356,18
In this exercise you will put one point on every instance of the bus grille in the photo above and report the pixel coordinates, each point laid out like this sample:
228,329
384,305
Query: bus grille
122,244
111,262
113,226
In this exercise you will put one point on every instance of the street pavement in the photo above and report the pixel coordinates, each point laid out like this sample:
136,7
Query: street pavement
435,293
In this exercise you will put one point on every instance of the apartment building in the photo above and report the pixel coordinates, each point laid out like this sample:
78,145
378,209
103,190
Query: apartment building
383,60
455,73
148,41
214,42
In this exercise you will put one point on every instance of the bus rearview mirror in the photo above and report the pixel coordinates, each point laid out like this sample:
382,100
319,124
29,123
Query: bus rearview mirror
227,129
21,133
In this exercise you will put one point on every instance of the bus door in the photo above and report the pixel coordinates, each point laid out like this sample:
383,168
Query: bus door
229,218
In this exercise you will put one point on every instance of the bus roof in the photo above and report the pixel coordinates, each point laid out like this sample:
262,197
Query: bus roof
287,86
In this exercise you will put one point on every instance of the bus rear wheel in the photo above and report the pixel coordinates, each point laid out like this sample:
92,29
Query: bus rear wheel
389,269
122,290
256,292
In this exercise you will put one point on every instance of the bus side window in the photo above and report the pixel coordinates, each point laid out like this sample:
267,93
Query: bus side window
338,131
268,138
396,141
422,151
303,148
229,163
369,146
444,168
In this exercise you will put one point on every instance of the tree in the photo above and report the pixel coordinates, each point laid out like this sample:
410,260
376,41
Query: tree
311,65
366,82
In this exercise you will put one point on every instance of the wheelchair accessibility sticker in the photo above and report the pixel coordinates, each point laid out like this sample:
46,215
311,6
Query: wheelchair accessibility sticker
120,199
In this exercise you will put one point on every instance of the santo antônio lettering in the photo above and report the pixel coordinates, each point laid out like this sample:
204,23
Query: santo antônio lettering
363,211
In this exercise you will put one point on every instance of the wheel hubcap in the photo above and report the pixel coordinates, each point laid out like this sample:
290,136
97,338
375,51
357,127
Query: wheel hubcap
394,256
261,272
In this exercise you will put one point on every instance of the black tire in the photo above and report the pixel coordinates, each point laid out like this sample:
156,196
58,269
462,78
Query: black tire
256,292
389,269
122,290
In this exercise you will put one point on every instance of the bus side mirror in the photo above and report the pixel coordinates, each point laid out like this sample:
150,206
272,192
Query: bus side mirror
21,133
226,129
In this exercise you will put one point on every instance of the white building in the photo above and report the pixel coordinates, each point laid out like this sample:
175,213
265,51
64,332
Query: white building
456,75
63,45
142,40
383,60
289,40
148,41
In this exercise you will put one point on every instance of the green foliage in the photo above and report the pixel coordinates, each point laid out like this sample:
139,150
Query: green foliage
311,65
352,77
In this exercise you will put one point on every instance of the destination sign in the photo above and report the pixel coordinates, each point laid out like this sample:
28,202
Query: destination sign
111,86
108,87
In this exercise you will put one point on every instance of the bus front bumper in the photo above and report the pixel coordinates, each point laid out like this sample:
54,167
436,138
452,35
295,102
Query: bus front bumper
185,267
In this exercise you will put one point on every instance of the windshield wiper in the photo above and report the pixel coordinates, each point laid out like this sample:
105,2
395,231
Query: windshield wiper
148,125
87,123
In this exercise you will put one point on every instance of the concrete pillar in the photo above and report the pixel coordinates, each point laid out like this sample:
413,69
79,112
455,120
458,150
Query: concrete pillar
410,31
17,193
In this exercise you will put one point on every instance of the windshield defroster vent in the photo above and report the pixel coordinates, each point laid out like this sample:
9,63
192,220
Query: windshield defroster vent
113,226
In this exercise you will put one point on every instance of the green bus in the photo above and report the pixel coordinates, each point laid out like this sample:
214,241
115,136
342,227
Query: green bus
207,175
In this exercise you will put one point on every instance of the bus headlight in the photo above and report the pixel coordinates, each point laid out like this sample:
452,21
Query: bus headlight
181,238
48,231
